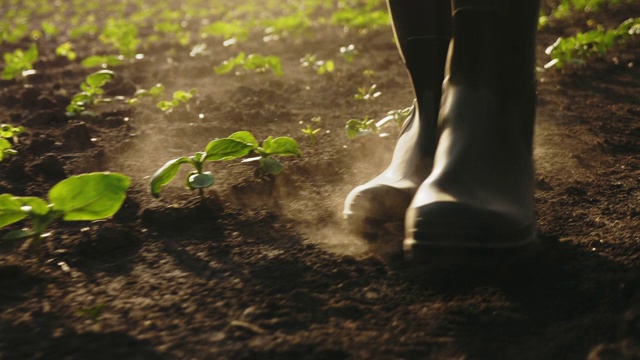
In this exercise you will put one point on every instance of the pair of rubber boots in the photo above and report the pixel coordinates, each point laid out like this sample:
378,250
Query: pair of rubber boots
462,176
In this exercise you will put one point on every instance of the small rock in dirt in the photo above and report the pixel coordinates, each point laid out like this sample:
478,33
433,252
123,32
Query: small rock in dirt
10,100
16,170
46,117
46,102
49,167
29,96
108,239
40,144
77,137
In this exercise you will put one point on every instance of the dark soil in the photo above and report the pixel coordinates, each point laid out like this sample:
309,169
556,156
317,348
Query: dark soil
263,268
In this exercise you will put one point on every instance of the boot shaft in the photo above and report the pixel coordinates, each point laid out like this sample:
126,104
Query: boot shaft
493,43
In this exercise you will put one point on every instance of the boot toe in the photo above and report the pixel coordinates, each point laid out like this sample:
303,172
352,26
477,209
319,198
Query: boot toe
453,225
369,208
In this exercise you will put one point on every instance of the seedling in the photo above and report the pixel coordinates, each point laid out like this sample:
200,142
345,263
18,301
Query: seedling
281,146
91,93
312,131
576,49
348,52
396,116
19,62
252,62
361,127
153,92
85,197
66,50
230,31
368,92
320,66
102,61
198,179
179,97
361,18
8,132
123,35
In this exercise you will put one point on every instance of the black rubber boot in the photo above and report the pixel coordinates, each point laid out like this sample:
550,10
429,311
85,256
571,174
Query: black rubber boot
479,194
422,30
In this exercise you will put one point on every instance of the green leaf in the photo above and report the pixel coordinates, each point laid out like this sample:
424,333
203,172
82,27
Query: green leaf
226,149
98,60
270,166
200,181
33,205
18,234
100,78
89,196
165,105
10,210
165,174
283,146
246,137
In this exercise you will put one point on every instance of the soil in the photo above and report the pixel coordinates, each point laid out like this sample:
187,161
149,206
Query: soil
263,268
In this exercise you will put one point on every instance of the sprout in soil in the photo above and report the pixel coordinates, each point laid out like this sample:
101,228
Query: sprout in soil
84,197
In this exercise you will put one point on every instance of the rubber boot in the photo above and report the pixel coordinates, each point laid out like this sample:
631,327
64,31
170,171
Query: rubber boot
479,194
422,29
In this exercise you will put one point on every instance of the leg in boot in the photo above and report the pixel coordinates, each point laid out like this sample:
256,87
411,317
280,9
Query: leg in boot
479,194
422,29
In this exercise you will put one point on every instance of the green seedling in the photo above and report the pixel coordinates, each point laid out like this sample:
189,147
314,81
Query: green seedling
153,92
361,18
368,92
102,61
252,62
361,127
49,29
348,52
8,132
312,131
85,197
396,116
230,31
199,179
576,49
123,35
179,97
66,50
19,62
91,93
320,66
292,24
280,146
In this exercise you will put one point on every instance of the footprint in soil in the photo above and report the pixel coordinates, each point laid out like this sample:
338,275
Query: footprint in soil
182,217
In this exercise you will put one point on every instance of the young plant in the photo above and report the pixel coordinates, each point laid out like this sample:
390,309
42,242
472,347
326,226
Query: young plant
83,197
312,131
8,132
252,62
348,52
280,146
179,97
320,66
396,116
361,127
91,93
368,93
66,50
19,62
199,179
576,49
153,92
123,35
